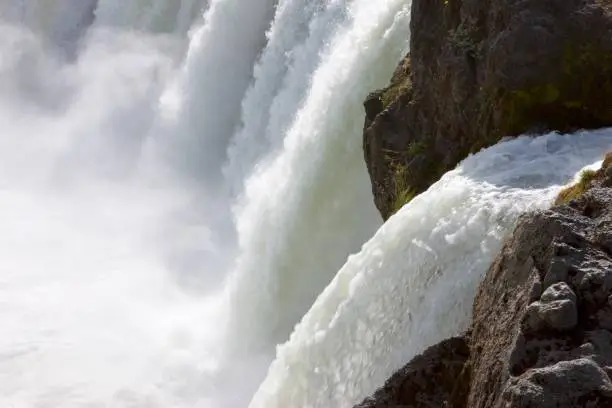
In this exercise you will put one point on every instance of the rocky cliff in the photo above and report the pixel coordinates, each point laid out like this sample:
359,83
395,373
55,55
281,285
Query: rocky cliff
480,70
542,328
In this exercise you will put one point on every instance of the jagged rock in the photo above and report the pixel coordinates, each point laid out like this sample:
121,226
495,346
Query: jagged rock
429,380
480,70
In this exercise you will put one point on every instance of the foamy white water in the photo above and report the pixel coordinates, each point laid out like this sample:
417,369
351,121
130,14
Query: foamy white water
129,277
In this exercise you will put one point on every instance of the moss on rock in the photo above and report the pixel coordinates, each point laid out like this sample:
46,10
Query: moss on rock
573,192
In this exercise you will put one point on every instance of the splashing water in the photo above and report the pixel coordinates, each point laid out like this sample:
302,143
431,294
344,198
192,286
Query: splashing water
180,180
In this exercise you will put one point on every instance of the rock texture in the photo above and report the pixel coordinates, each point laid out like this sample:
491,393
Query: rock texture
480,70
542,330
432,378
540,337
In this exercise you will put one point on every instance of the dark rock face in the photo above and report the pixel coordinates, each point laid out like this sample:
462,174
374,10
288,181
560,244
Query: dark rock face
480,70
427,381
542,330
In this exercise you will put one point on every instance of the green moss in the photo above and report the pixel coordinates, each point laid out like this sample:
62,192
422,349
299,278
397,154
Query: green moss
573,192
403,193
391,94
405,184
524,107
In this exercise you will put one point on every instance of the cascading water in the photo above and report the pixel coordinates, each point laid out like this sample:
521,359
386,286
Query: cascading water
321,198
179,180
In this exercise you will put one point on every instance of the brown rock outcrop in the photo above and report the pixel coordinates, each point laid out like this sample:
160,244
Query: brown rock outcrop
480,70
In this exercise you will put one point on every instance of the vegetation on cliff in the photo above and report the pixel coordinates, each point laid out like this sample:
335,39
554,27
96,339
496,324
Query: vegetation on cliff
588,179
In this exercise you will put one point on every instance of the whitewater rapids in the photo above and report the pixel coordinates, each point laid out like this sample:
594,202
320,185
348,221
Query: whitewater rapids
181,183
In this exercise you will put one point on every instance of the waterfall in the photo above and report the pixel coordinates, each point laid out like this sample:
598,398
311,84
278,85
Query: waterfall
213,79
181,187
318,176
281,79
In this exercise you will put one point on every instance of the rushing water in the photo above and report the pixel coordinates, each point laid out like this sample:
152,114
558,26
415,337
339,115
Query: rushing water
180,183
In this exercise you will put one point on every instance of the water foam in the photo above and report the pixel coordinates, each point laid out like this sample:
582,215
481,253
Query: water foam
300,32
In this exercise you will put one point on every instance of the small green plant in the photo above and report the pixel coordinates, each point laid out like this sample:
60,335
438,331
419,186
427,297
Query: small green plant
573,192
402,198
403,193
